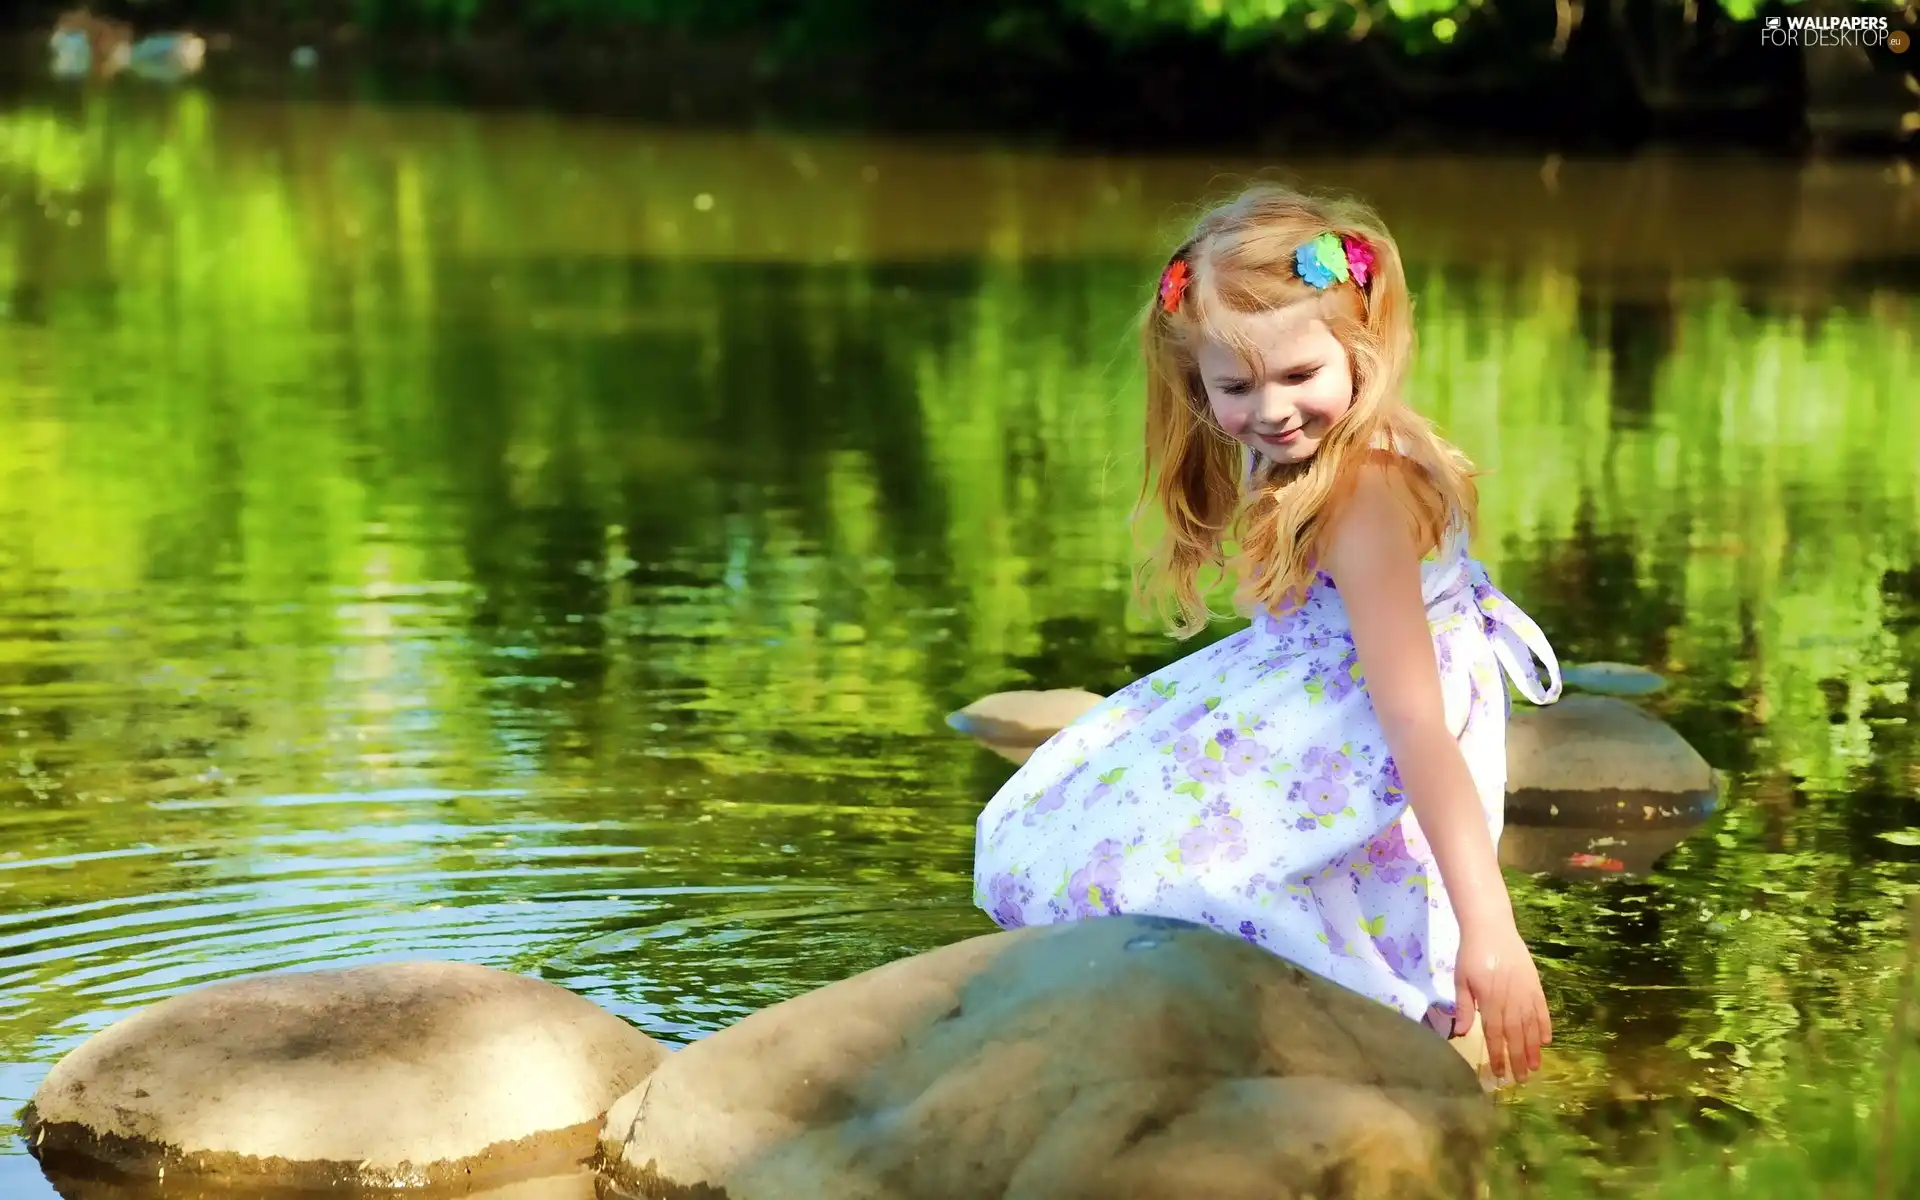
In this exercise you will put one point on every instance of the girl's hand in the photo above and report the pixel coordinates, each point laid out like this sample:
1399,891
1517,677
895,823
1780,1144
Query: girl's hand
1497,977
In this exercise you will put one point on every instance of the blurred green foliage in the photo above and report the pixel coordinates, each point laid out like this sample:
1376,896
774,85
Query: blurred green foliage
1235,23
1145,69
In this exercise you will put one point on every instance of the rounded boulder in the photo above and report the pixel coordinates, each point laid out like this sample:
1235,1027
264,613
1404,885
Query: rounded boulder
577,1184
1015,724
407,1074
1612,678
1121,1058
1599,762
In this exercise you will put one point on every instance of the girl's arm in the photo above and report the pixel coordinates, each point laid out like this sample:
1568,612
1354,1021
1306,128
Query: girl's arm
1375,565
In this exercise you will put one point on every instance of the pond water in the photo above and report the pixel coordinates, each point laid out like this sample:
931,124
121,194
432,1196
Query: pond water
556,544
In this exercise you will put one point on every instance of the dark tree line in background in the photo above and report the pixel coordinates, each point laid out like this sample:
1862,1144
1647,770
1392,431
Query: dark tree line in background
1605,69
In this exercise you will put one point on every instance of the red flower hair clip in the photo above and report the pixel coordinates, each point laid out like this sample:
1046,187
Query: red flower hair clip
1173,284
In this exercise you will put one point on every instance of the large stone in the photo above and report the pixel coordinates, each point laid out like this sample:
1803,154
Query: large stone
1598,762
1612,678
1015,724
393,1074
577,1184
1121,1058
1600,788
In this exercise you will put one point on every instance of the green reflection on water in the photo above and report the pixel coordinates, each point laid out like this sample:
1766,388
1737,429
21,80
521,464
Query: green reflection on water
440,534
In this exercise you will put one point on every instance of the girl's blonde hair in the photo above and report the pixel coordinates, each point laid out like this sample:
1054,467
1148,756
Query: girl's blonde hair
1240,258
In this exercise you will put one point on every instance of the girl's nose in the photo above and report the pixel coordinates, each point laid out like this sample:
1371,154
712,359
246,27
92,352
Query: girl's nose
1273,409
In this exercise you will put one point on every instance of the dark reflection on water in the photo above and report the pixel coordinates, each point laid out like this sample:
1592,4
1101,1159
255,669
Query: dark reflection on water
557,546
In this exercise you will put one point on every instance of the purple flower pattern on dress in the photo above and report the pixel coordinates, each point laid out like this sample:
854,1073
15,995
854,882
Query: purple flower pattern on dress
1206,770
1007,894
1332,936
1191,717
1045,802
1093,890
1390,776
1216,835
1403,955
1323,794
1246,755
1330,763
1104,788
1337,681
1389,855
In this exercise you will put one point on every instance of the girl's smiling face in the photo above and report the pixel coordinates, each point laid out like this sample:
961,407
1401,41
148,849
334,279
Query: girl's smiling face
1303,385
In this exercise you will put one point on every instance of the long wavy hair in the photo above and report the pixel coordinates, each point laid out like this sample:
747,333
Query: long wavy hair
1270,536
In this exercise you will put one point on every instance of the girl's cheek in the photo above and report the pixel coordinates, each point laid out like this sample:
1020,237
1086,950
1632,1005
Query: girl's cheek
1232,417
1330,409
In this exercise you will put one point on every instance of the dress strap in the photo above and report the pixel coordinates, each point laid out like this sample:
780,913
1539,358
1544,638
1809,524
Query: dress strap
1517,641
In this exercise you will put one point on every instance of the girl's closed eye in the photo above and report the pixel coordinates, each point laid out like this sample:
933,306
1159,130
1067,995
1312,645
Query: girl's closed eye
1293,378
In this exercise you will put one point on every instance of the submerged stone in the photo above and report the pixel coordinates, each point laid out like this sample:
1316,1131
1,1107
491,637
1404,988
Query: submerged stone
1598,762
1015,724
1120,1057
403,1074
1613,679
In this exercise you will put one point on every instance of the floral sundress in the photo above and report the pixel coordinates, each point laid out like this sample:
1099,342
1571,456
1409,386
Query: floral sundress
1249,787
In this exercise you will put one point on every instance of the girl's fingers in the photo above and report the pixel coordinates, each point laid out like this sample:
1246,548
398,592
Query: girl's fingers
1494,1018
1463,1007
1531,1021
1516,1027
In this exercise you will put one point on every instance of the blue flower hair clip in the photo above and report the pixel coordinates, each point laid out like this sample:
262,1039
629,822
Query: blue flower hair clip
1333,258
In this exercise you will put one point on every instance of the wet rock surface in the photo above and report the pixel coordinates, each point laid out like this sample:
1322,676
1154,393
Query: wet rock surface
1612,678
1120,1058
1015,724
412,1074
1601,762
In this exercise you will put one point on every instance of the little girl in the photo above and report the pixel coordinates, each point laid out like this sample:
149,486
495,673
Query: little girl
1328,783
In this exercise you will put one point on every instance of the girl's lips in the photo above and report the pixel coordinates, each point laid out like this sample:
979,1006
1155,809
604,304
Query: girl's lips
1283,438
